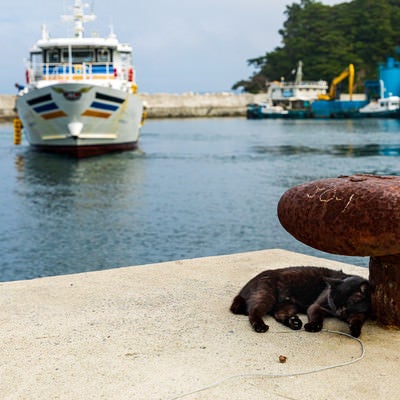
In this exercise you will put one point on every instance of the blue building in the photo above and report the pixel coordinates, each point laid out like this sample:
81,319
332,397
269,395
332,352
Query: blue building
389,77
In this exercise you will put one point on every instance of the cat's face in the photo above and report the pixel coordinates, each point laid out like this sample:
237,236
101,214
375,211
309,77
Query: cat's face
349,296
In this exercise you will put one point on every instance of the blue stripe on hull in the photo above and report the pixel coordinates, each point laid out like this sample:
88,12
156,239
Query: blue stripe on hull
46,107
103,106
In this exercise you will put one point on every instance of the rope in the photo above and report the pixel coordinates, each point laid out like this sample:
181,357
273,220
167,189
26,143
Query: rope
263,375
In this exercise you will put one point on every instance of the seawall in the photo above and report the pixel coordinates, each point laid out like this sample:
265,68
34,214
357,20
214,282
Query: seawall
7,107
169,105
166,105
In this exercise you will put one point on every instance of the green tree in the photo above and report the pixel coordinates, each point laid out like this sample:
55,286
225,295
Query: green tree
327,39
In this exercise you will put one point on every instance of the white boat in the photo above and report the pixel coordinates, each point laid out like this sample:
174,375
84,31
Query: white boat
382,108
80,96
268,110
289,99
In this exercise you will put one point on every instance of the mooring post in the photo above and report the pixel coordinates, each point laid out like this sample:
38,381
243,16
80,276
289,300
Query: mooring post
355,215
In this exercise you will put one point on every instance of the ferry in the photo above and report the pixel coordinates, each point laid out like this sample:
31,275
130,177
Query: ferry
80,96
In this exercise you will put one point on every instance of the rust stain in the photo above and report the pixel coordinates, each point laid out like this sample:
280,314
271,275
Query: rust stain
356,215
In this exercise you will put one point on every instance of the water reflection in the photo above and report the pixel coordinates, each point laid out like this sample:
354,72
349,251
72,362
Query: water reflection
285,150
367,150
75,210
341,150
50,169
359,126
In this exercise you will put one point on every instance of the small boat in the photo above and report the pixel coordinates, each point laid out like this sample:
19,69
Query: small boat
289,99
385,107
271,111
265,110
80,96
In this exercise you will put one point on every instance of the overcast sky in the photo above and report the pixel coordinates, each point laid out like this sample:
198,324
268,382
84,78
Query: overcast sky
179,45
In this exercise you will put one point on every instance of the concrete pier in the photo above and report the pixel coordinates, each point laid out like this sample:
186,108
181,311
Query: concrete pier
164,331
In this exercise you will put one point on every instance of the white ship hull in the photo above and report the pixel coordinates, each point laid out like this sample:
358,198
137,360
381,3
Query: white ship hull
80,119
80,94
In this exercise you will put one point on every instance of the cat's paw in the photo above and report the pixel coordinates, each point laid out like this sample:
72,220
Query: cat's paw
313,326
294,323
355,330
260,327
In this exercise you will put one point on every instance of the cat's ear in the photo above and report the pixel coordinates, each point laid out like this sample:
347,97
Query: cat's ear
364,287
333,282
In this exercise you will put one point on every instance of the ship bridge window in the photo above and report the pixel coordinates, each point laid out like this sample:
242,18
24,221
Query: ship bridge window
103,55
79,56
126,58
36,58
53,56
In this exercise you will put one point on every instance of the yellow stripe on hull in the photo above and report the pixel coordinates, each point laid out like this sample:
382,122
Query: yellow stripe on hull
55,114
97,114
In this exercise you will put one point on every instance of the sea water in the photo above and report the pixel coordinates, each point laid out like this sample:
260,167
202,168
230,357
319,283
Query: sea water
198,187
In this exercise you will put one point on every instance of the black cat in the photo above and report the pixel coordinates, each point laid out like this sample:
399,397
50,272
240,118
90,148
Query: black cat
319,292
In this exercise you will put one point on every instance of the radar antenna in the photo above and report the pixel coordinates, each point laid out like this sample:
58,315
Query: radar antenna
78,17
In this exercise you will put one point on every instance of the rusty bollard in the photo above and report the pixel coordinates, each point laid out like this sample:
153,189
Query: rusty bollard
355,215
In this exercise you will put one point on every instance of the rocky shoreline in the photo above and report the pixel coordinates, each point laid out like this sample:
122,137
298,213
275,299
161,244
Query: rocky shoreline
169,105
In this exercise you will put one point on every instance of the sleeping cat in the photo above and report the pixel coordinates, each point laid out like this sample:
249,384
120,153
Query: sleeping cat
319,292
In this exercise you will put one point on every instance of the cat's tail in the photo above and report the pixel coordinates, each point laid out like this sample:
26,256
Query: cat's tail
239,305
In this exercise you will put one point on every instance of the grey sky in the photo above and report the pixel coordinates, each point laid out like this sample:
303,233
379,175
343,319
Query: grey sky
179,46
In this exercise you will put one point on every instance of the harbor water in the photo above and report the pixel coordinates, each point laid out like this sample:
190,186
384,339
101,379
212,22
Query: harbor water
198,187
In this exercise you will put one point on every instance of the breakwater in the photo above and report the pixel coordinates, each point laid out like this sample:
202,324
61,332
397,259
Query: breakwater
7,107
170,105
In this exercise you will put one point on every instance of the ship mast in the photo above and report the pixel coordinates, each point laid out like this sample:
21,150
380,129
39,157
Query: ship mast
78,17
299,73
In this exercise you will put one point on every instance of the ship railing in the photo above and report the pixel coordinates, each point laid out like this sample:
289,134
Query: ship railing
321,84
76,72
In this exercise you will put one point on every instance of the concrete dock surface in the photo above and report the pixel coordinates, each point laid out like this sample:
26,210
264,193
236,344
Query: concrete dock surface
164,331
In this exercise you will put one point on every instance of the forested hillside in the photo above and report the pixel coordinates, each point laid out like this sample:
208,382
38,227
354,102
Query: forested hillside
327,39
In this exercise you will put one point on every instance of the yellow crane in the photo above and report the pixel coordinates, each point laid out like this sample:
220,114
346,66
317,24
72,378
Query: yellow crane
348,72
